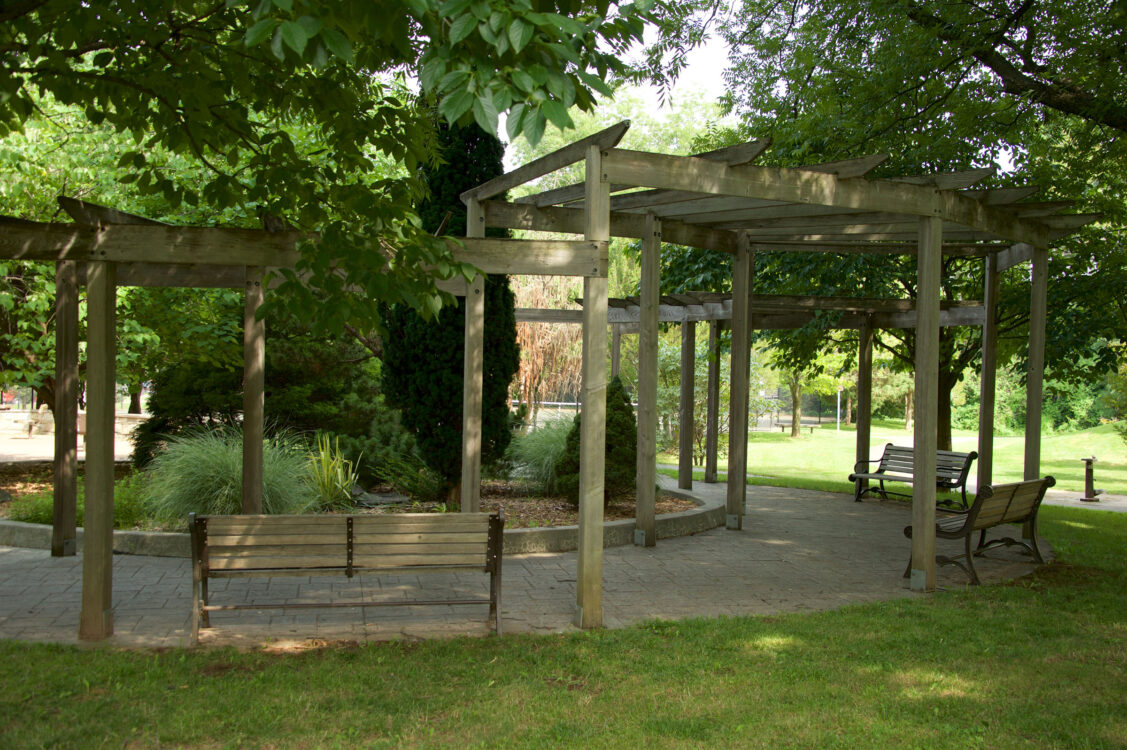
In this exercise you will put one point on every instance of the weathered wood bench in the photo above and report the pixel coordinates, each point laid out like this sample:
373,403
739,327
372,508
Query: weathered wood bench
897,464
308,545
999,505
784,426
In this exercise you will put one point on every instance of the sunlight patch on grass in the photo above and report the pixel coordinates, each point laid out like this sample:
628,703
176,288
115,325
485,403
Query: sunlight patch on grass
773,643
928,685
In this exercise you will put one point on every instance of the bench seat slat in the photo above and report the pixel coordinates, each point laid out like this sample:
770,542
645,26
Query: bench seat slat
310,562
266,538
412,537
297,551
418,548
401,560
284,525
438,520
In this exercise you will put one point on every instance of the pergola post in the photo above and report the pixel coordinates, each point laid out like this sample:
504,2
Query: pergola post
473,372
1038,312
96,618
688,395
864,398
989,375
64,518
592,436
254,390
742,268
645,524
615,350
712,418
926,442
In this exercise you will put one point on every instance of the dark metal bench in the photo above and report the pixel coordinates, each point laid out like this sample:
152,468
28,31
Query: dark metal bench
1002,504
237,546
897,464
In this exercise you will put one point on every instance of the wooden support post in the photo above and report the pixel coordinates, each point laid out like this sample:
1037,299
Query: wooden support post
645,523
1038,312
926,442
712,419
742,268
989,376
688,395
864,398
615,350
473,374
63,522
96,619
254,390
592,437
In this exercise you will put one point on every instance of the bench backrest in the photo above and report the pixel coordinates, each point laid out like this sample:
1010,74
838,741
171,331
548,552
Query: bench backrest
346,542
1008,503
949,465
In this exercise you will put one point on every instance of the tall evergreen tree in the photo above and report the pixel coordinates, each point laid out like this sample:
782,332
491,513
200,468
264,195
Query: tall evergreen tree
423,360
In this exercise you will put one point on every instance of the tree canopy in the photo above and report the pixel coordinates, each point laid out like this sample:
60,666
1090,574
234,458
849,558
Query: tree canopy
288,104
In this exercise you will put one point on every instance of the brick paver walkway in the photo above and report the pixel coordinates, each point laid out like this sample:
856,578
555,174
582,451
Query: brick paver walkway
798,551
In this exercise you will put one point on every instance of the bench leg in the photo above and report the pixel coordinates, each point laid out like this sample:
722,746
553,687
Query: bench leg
970,561
495,599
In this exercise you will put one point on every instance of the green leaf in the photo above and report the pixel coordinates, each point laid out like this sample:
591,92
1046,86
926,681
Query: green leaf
520,34
557,113
485,114
523,81
513,121
430,73
455,105
311,25
337,43
293,34
258,33
534,126
462,27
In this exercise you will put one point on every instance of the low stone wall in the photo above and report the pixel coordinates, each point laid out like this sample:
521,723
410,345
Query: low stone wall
708,515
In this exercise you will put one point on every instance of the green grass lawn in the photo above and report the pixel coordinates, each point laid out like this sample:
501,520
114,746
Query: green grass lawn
824,459
1040,662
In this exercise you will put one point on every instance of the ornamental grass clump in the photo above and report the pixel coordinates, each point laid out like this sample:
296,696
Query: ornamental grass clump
534,455
202,472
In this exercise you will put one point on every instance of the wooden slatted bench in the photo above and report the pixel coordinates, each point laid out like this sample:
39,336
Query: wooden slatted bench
897,464
999,505
238,546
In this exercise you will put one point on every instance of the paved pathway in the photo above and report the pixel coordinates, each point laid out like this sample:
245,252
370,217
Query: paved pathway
798,551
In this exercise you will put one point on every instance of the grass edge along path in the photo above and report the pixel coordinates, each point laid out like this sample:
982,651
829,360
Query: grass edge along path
1041,661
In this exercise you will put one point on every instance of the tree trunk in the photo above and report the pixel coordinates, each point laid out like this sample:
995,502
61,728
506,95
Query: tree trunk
795,407
909,408
135,403
848,410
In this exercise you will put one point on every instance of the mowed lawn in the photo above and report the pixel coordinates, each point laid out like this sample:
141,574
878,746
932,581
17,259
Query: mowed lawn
1039,662
824,459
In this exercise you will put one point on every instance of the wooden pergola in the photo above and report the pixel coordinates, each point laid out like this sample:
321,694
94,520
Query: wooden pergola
104,249
720,200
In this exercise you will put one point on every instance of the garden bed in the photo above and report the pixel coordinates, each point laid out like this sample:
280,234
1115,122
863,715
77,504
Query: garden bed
521,509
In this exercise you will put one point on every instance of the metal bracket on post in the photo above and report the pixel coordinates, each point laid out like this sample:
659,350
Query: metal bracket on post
639,537
735,522
918,581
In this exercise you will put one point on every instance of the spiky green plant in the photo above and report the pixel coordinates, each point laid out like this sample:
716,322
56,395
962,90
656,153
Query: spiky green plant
202,472
333,476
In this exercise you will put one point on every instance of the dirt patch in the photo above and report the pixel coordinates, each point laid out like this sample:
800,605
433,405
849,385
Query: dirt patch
523,511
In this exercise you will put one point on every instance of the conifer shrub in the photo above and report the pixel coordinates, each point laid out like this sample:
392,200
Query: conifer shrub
621,449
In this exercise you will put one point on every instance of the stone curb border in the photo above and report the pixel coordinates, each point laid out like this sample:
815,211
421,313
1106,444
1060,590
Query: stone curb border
708,514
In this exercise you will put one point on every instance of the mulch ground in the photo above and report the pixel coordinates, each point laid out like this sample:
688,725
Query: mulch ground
521,510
